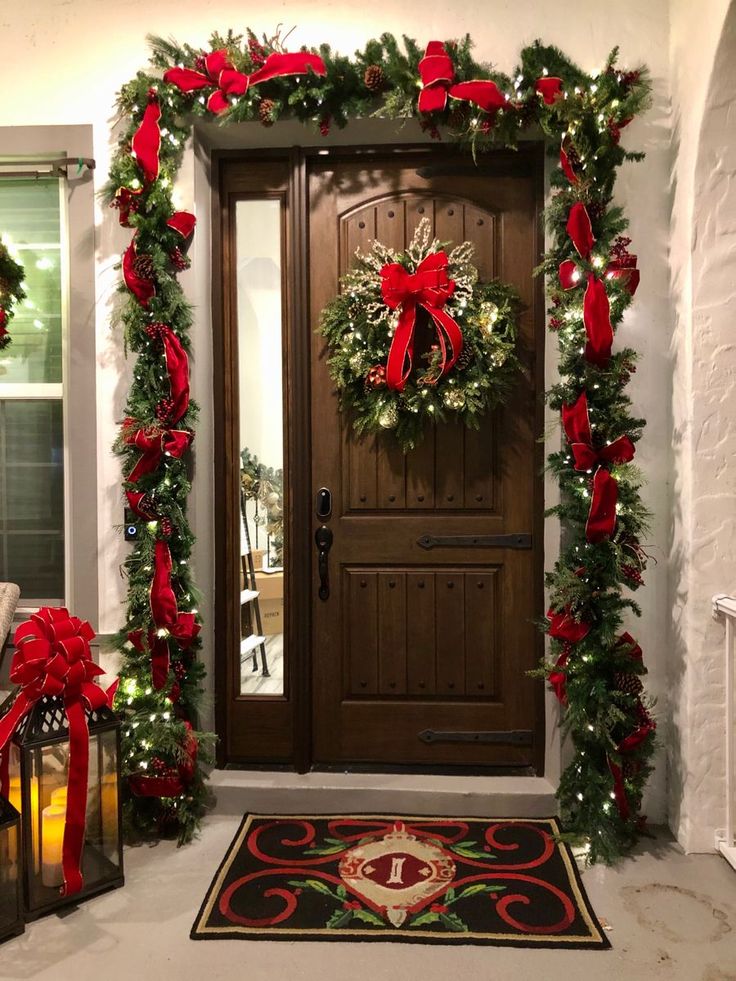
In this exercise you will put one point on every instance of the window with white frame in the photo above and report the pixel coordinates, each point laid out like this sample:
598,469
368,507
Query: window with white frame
33,536
48,388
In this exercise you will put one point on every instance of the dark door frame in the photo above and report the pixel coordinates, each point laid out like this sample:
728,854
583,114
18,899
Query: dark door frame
292,714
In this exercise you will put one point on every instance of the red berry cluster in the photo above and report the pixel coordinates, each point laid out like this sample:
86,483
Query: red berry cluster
555,323
324,126
256,51
376,377
164,409
166,527
200,64
155,330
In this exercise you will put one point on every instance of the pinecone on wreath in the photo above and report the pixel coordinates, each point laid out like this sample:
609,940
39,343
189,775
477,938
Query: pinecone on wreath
374,78
265,111
465,357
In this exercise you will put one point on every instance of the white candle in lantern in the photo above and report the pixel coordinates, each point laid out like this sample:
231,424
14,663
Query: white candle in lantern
52,839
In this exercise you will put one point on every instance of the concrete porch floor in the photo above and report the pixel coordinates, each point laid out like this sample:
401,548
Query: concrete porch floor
672,916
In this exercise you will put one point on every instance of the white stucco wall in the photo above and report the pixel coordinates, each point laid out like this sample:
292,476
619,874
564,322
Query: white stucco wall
63,63
703,258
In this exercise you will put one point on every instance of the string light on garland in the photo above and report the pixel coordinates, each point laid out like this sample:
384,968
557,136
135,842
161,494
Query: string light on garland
591,279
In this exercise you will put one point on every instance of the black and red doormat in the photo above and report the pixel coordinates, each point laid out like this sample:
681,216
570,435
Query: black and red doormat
412,879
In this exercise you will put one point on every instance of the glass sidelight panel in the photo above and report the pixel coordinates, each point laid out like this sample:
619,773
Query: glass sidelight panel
262,547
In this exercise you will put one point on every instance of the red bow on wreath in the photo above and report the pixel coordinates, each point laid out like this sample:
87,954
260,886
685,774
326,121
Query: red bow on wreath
430,288
437,74
218,71
53,658
601,521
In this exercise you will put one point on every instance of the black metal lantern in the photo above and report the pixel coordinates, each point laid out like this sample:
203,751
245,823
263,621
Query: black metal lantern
39,768
11,872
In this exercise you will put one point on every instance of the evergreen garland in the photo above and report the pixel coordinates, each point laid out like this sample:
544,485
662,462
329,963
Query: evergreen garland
596,673
11,291
359,326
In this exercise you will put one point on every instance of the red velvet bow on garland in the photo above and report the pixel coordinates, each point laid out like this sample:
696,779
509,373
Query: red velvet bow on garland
154,443
601,521
218,72
438,74
430,288
53,658
167,620
596,308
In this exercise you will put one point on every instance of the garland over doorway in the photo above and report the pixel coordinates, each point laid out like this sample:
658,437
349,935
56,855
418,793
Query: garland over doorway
594,666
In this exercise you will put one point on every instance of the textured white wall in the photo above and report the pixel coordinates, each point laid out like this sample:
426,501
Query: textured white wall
703,258
63,62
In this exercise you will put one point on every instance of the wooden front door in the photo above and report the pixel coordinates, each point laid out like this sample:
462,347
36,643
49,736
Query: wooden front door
420,656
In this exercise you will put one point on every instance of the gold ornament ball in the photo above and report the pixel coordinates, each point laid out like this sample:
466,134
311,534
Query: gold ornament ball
488,316
454,398
388,417
273,498
357,362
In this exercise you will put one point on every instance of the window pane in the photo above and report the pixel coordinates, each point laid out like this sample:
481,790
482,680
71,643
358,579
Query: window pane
30,225
32,497
258,231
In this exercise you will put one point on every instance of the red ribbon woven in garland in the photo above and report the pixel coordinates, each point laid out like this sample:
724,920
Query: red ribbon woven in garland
218,72
167,620
177,367
184,631
558,677
143,289
596,308
437,74
146,143
429,287
126,201
182,222
576,423
176,780
564,626
550,88
53,658
565,162
153,443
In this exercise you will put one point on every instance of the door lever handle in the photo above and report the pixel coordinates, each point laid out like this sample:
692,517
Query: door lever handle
323,541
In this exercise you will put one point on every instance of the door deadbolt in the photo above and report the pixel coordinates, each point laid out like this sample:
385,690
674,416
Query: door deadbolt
323,505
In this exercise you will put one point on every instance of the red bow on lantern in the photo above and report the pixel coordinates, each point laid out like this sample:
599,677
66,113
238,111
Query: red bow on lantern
430,288
218,71
437,74
53,658
576,423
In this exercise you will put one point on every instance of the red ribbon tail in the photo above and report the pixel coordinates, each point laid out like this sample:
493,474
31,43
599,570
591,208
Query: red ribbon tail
398,366
601,521
447,327
597,320
163,601
177,365
146,142
76,808
10,721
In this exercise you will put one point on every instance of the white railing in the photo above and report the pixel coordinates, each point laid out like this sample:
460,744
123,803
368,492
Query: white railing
725,606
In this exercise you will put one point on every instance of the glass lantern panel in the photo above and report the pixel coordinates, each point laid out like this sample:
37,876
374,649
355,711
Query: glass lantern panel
50,767
109,807
9,876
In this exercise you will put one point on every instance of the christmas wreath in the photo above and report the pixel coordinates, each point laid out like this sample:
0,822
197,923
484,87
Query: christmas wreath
11,291
414,337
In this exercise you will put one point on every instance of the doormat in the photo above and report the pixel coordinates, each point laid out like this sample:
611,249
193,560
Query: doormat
411,879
